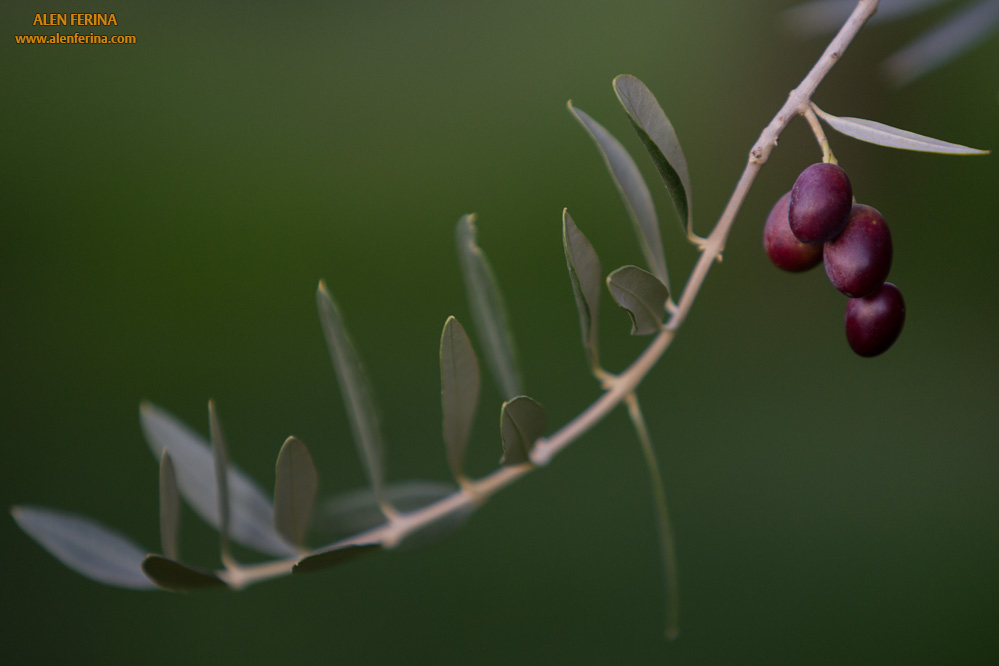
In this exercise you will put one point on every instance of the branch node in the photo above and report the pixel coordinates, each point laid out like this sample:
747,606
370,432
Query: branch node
539,455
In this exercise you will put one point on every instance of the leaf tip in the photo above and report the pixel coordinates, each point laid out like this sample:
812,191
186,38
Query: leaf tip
622,80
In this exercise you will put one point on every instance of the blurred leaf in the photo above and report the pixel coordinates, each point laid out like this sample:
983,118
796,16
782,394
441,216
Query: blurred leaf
221,460
488,310
947,40
439,529
642,295
634,192
356,391
177,577
354,512
459,392
824,16
85,546
522,423
659,137
295,485
169,507
326,559
251,514
585,274
883,135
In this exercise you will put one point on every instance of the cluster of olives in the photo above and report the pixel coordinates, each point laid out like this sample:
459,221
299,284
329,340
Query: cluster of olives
818,222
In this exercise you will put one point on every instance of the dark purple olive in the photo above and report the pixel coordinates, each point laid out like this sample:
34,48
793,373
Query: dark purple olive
785,251
859,259
820,203
874,322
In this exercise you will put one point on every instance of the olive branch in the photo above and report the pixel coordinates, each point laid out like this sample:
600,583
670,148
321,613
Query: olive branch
387,515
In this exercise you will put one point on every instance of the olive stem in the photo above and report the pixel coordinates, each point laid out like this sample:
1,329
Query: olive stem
820,135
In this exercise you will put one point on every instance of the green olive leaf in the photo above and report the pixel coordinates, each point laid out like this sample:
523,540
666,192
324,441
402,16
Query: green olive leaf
891,137
634,192
659,138
85,546
356,391
485,300
585,274
251,514
169,508
642,295
960,32
459,392
522,423
347,514
176,577
221,459
325,559
295,484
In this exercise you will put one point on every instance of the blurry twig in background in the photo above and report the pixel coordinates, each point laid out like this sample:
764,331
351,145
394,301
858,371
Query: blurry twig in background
958,33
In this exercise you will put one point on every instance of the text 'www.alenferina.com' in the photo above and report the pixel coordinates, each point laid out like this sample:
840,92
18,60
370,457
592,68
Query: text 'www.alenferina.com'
75,20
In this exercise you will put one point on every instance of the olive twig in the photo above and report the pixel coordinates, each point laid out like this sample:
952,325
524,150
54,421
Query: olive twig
619,388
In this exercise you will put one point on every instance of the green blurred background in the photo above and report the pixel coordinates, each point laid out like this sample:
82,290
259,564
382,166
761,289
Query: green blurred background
169,207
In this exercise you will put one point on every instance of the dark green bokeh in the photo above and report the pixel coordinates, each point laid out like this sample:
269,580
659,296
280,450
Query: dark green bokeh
169,207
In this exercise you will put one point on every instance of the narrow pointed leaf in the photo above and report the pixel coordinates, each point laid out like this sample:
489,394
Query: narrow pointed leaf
642,295
220,458
294,491
85,546
488,309
659,138
585,274
330,558
522,423
459,392
883,135
355,389
251,515
438,530
176,577
634,192
947,40
169,508
354,512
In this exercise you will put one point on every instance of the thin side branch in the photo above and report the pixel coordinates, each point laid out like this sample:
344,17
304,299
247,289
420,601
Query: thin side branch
820,135
667,546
